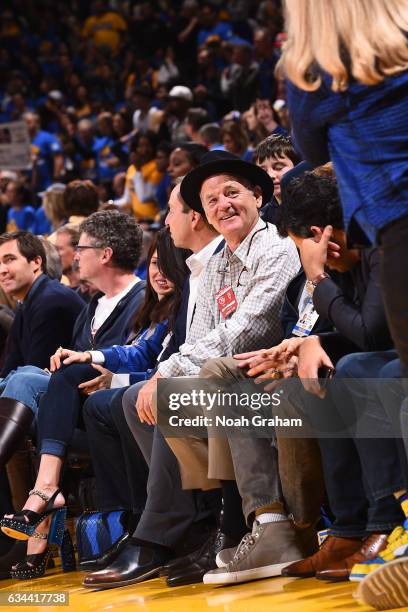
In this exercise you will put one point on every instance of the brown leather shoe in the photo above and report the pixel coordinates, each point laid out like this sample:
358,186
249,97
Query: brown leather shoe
340,570
333,549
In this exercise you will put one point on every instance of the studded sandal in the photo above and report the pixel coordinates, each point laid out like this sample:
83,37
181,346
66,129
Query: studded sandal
34,566
22,525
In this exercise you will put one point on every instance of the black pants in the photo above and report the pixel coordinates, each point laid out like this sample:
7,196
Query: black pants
394,243
170,511
120,468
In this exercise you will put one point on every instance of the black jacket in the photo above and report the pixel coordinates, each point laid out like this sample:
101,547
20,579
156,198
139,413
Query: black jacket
290,313
352,315
43,322
353,303
117,327
179,332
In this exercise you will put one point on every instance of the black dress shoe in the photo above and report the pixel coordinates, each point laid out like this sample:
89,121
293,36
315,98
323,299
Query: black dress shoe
134,563
193,570
178,562
107,558
209,531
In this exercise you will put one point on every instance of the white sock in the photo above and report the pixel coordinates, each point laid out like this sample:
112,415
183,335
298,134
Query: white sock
271,517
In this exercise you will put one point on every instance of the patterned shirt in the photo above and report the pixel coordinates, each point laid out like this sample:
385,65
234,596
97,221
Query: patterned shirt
259,271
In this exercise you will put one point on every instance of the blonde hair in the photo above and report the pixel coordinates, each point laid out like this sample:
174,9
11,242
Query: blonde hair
54,207
359,38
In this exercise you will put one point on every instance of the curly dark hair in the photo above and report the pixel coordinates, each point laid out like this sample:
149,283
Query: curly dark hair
120,232
309,200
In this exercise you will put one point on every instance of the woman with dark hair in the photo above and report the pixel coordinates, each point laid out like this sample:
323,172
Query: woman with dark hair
184,157
142,178
42,518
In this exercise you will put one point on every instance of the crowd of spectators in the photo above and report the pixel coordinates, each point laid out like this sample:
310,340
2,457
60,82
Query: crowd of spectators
107,89
171,230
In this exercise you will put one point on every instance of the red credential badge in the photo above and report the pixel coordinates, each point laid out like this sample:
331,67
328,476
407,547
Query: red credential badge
226,301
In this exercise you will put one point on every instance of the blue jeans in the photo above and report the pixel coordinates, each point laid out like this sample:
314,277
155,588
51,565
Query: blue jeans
363,473
60,409
26,385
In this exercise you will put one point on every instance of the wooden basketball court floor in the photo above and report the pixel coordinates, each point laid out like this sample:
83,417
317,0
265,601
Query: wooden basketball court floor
276,594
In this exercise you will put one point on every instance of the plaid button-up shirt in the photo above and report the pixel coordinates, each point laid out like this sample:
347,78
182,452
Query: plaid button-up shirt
259,271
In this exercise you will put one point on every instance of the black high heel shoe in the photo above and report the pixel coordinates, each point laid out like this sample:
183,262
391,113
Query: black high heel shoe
16,554
22,525
34,566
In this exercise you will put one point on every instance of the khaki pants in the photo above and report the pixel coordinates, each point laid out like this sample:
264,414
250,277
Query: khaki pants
203,463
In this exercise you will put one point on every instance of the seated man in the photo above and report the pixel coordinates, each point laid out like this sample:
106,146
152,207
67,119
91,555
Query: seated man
350,298
369,404
184,513
255,266
108,253
44,320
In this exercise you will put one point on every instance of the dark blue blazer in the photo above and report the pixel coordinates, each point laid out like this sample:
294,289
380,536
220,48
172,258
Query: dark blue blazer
179,331
43,322
117,327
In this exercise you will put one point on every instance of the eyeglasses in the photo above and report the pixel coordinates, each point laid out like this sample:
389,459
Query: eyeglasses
81,247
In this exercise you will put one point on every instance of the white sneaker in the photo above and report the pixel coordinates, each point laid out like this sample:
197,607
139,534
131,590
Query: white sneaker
261,554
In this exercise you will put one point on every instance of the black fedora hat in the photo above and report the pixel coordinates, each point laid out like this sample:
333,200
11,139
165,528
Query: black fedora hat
222,162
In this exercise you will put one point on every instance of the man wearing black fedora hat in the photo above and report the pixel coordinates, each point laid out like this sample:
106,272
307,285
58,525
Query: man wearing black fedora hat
256,266
231,192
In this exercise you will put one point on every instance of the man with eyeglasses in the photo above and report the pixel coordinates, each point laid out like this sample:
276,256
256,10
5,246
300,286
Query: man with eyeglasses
108,252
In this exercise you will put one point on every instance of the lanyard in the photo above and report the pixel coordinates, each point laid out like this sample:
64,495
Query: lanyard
244,268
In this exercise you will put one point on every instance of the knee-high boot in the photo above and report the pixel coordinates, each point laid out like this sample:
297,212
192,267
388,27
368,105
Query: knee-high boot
15,421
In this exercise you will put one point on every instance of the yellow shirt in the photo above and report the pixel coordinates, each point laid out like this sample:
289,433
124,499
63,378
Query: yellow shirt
142,185
105,29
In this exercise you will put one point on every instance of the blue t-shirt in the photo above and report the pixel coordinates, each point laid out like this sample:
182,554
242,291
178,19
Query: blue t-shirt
221,29
247,155
42,225
45,146
103,150
21,219
162,191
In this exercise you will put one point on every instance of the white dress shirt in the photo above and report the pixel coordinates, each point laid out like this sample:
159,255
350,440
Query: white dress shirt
197,263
